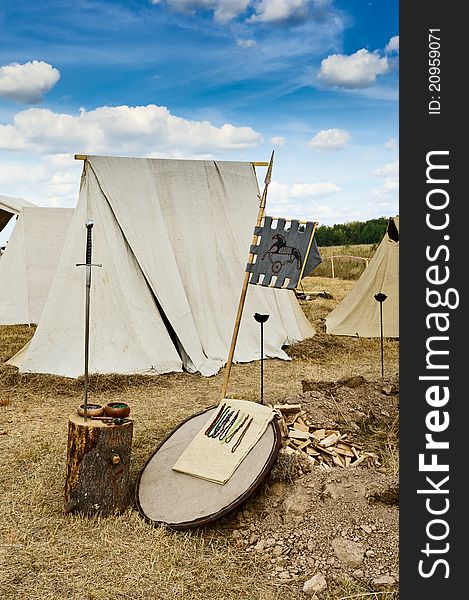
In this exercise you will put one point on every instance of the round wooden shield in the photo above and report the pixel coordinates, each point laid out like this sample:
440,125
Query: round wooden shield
182,501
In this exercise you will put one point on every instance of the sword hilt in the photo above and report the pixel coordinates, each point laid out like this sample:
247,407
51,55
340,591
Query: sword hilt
89,226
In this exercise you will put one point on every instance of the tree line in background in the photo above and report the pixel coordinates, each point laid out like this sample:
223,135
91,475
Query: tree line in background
355,232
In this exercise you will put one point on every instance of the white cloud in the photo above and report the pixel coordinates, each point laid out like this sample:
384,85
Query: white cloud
389,169
226,10
330,139
313,190
27,82
282,193
390,174
277,140
392,144
137,130
392,45
301,200
268,11
357,70
223,10
52,181
390,186
263,11
249,43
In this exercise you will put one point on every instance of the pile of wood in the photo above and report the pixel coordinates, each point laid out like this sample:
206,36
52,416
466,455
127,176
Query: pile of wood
324,447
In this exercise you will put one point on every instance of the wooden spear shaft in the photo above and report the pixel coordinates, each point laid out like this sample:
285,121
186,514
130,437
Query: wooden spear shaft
244,289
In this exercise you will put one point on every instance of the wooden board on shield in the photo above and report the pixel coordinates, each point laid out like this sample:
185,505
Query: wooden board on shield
181,501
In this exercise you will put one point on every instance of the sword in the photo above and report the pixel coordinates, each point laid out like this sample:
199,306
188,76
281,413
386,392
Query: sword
88,264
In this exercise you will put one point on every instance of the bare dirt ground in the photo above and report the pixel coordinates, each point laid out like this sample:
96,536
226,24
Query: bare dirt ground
306,532
340,523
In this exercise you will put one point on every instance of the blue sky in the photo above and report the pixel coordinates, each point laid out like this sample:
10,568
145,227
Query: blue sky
314,80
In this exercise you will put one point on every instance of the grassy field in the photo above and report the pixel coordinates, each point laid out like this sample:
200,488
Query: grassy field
47,555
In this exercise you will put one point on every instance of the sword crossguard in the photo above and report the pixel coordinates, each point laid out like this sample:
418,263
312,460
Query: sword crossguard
88,265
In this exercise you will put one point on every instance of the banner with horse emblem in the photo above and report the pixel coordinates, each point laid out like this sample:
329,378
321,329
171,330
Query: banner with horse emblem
283,254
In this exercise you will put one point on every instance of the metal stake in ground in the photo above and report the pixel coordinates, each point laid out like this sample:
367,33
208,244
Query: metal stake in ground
381,298
88,264
262,319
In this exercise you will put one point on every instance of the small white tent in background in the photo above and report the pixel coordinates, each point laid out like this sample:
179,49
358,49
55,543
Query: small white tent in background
29,262
173,237
358,313
10,207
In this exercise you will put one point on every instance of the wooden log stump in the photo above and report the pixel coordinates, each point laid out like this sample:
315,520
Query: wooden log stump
97,477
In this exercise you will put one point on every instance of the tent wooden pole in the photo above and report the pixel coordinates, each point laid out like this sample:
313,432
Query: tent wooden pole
254,164
307,252
244,289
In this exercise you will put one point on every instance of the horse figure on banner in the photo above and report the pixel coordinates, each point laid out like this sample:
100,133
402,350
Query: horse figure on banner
279,254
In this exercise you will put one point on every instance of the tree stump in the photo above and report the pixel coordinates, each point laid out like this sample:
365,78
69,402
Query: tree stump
98,460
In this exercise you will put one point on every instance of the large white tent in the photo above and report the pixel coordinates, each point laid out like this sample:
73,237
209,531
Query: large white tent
10,207
173,238
28,265
359,312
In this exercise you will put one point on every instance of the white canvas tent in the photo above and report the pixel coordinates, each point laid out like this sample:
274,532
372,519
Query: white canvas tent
173,237
358,313
10,207
29,262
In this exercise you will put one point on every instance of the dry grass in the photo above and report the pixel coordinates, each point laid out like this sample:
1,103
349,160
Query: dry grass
384,442
13,338
46,555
